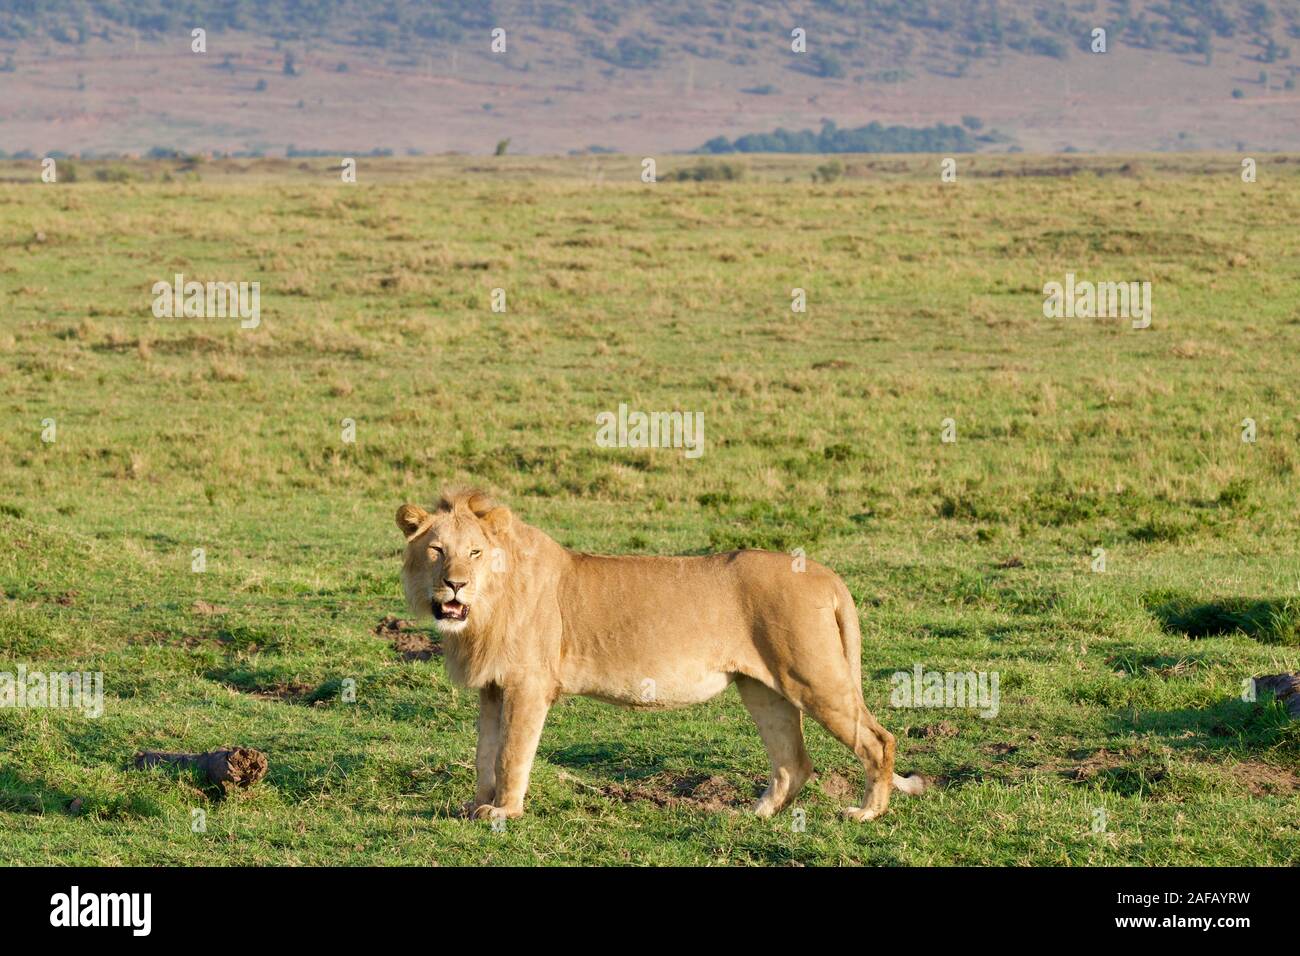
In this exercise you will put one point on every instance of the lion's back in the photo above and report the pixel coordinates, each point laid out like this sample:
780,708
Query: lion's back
716,593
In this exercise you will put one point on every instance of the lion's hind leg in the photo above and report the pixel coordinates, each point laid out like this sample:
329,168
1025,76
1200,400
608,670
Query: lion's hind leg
780,724
848,720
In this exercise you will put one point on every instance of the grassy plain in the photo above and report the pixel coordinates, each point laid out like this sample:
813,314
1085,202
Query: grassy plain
822,433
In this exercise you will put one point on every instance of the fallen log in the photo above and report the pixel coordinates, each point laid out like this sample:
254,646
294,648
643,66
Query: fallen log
239,766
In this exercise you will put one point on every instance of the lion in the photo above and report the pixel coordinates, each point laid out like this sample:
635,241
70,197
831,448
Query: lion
526,621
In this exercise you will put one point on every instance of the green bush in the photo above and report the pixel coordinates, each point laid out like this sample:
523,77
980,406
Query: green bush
114,174
828,172
707,172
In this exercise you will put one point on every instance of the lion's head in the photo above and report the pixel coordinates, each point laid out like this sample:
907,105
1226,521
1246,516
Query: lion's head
451,554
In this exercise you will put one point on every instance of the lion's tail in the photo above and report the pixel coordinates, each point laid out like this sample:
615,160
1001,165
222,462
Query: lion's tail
846,616
913,785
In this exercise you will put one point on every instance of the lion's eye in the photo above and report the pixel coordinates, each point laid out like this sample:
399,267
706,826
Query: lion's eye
436,550
475,554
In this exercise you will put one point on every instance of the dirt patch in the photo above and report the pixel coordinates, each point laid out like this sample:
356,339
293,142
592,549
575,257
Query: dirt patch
958,777
66,598
838,786
390,625
291,692
1093,762
1001,749
203,607
710,793
409,644
416,647
1264,780
1115,772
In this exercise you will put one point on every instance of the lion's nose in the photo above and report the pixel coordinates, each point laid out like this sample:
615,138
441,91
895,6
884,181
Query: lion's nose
454,585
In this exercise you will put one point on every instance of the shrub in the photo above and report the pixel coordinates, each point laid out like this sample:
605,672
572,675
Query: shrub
872,138
828,172
707,172
826,65
114,174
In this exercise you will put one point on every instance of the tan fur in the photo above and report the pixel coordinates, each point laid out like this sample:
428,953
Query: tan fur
645,632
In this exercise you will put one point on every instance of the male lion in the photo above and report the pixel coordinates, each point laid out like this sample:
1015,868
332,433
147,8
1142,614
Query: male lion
525,620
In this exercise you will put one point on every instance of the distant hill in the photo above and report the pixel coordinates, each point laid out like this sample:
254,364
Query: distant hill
615,31
642,75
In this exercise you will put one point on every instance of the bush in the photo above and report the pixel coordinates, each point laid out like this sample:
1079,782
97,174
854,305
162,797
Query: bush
707,172
826,65
872,138
114,174
629,53
828,172
1042,46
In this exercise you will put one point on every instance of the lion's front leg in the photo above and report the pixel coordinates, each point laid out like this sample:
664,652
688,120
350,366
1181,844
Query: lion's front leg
523,712
487,748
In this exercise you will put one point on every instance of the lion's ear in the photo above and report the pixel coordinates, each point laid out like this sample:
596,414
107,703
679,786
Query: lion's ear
410,517
498,520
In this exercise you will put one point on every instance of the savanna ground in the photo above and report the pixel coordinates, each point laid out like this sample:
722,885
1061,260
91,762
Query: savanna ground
1120,690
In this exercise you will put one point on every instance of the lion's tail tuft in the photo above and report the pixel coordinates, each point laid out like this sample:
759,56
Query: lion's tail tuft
913,785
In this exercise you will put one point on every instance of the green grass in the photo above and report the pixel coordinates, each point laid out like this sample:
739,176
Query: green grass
1272,622
1120,691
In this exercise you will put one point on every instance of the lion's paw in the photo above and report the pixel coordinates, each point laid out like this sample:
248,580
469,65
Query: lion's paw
862,814
487,812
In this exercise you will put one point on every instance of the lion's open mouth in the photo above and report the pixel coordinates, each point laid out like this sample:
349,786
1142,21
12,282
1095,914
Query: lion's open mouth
450,611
